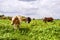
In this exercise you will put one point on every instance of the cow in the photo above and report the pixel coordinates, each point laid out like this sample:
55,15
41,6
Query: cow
28,19
48,19
33,18
4,17
25,19
16,21
10,18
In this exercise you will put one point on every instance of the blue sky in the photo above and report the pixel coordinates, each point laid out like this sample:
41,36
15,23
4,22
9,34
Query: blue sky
31,8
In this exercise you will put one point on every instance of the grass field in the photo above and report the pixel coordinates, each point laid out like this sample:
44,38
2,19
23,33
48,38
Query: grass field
36,30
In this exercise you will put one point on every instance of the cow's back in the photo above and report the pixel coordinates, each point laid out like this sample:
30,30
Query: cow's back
48,19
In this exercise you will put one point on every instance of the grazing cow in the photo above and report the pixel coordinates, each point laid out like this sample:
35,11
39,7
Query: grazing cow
3,17
33,18
16,21
48,19
28,19
23,19
10,18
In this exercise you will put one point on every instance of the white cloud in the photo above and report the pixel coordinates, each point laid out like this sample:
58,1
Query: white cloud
37,8
27,0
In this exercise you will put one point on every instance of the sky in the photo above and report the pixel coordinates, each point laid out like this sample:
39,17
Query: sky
31,8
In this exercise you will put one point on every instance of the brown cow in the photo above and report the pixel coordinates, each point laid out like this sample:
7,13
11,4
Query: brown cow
10,18
26,19
23,19
3,17
16,21
48,19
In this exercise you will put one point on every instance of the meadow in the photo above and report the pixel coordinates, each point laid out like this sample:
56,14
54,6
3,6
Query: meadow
36,30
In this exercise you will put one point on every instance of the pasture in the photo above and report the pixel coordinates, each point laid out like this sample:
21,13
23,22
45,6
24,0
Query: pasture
36,30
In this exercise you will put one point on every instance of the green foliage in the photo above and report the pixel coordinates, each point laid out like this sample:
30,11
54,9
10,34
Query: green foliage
36,30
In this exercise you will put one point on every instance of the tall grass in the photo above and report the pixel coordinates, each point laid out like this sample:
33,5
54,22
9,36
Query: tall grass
36,30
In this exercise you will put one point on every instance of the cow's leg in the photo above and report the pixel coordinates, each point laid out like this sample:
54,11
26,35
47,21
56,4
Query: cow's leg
52,21
25,21
15,26
18,26
45,21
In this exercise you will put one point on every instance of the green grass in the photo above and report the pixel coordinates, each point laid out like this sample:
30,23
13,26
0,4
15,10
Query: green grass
36,30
